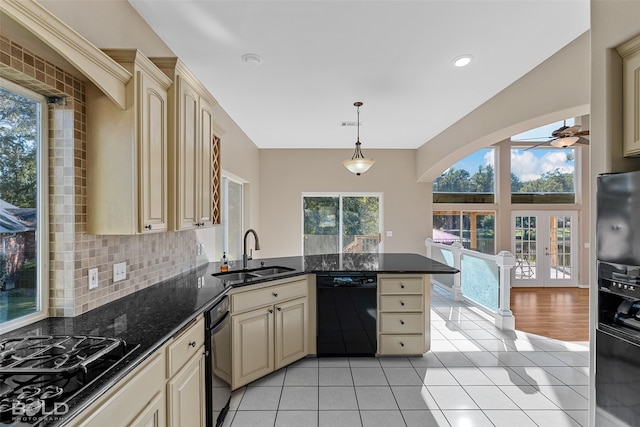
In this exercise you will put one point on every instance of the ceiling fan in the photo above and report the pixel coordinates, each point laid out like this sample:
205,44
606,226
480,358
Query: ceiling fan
563,137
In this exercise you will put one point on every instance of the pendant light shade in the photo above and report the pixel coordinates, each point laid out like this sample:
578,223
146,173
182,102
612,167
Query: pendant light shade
564,142
358,164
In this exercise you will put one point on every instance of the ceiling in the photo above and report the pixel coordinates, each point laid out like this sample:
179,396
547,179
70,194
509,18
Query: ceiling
319,57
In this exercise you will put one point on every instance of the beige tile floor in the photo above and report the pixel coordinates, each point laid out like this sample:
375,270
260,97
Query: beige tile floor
475,375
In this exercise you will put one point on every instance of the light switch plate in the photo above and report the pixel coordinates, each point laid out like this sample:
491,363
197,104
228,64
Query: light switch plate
119,271
93,278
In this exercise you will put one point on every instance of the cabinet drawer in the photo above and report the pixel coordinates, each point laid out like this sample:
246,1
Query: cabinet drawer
401,303
184,346
400,285
266,296
404,323
402,344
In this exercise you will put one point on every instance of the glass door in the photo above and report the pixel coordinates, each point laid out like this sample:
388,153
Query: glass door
545,246
341,224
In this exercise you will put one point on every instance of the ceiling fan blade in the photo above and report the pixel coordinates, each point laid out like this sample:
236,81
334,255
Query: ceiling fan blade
541,138
537,145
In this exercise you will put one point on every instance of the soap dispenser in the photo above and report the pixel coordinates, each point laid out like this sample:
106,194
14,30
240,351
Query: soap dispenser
224,266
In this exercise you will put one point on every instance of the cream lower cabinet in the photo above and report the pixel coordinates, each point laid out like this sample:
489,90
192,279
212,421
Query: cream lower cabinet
186,394
137,400
269,329
403,314
167,389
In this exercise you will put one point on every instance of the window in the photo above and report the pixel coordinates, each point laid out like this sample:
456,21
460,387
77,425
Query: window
341,223
23,256
474,229
229,236
471,180
543,175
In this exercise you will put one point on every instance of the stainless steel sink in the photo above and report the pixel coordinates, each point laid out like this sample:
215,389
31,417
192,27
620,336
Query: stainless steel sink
270,271
234,276
242,275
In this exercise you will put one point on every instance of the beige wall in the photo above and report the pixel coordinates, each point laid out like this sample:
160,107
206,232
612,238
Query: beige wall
286,174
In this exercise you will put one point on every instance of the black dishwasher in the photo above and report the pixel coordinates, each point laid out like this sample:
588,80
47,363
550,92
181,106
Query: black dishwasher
346,314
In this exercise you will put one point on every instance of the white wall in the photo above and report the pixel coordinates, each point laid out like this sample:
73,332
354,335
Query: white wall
286,174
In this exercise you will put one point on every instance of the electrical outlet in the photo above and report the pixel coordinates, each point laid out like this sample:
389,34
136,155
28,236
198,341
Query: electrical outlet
119,271
93,278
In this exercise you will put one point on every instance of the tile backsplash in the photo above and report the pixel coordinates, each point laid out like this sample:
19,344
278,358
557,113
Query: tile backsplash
72,252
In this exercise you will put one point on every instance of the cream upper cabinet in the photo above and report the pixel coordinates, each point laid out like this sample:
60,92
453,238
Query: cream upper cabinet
630,52
127,168
403,314
193,164
270,328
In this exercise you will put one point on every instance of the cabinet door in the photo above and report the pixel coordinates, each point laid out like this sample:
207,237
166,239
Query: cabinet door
252,345
205,167
188,141
292,322
631,100
152,155
186,392
154,413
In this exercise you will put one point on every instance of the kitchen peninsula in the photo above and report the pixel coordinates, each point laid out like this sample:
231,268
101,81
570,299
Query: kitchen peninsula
153,320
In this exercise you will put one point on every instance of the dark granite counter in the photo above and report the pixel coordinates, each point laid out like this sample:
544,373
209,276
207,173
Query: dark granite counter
150,317
403,263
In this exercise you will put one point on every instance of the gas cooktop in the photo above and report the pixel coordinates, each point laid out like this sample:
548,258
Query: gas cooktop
39,374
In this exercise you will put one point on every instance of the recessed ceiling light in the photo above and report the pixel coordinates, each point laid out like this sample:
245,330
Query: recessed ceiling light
462,60
252,59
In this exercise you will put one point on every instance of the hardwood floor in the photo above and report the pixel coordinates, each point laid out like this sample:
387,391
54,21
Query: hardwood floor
560,313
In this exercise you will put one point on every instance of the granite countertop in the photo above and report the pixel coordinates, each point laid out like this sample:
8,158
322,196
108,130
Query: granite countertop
148,318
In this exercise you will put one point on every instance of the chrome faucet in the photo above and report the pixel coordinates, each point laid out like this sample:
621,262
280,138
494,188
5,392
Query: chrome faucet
246,257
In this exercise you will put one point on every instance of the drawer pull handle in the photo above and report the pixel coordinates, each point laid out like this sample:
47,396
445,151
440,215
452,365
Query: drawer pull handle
401,285
402,322
401,344
402,303
192,344
275,294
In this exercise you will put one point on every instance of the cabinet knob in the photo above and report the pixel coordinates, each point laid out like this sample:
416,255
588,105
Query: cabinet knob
401,285
402,322
401,344
402,303
279,308
275,294
270,311
147,227
192,344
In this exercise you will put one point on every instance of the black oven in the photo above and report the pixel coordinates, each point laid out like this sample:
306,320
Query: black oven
346,307
217,363
618,345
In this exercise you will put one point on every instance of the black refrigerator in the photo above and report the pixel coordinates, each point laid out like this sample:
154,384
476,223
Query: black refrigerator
617,368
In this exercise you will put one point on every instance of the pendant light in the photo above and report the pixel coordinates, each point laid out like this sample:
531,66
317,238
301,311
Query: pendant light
358,164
